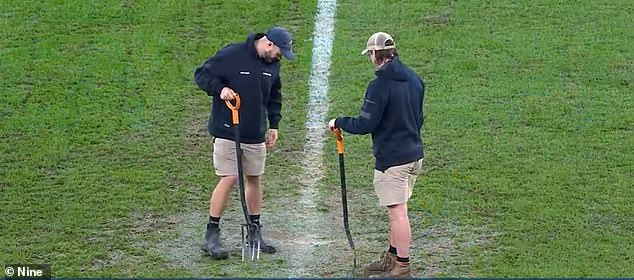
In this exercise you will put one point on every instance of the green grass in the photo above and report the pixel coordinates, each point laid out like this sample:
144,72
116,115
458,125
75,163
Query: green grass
105,125
528,133
528,127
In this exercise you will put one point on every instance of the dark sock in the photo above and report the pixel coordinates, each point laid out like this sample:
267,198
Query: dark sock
392,250
214,221
255,219
403,260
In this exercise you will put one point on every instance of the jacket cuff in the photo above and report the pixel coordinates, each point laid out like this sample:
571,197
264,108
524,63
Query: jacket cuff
216,87
274,124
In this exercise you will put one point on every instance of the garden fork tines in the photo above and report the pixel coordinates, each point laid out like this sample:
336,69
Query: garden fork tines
251,241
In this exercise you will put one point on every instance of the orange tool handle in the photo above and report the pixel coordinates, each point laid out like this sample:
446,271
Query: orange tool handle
234,109
339,136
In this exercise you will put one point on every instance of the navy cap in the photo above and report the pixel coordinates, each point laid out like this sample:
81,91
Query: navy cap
281,38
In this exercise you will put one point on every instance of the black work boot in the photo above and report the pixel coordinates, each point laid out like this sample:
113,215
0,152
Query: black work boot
265,247
213,246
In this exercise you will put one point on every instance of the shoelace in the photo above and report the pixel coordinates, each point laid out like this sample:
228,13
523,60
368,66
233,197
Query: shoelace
386,260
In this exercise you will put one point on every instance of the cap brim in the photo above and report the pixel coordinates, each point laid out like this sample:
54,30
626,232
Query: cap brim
288,54
364,51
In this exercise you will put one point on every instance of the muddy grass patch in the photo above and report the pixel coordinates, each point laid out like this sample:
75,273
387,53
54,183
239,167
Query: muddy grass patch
439,248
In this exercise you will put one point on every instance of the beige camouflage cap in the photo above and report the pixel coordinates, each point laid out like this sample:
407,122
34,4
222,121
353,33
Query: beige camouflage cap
379,41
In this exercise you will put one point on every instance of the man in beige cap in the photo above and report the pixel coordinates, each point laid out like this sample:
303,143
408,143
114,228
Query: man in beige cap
393,113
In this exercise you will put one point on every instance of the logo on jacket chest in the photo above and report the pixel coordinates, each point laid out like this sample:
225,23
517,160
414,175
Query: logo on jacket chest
264,73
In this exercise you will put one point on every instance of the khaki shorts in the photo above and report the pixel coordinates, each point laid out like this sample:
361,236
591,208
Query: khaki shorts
225,161
395,185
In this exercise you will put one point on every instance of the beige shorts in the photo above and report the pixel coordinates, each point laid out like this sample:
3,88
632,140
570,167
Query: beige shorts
225,161
395,185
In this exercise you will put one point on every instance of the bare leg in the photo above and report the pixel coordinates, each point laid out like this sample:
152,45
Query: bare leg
220,195
253,194
400,230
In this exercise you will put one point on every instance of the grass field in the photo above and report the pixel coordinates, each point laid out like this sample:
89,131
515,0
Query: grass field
105,158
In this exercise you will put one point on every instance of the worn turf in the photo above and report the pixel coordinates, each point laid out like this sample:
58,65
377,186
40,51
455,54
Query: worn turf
105,159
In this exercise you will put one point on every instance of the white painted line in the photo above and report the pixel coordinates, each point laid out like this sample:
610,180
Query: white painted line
312,159
323,37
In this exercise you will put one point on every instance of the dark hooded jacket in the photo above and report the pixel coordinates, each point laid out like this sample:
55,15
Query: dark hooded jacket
393,113
239,67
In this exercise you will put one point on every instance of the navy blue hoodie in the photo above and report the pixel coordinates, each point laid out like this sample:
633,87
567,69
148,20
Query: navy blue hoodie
393,113
239,67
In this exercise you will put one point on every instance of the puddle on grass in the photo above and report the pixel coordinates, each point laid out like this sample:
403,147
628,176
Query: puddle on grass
319,248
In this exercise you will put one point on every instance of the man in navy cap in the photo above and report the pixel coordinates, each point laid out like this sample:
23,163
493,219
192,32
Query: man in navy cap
252,70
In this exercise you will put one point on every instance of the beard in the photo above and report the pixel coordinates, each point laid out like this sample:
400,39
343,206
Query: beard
272,60
271,57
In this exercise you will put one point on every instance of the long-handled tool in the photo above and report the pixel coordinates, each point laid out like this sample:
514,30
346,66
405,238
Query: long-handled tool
250,244
344,196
